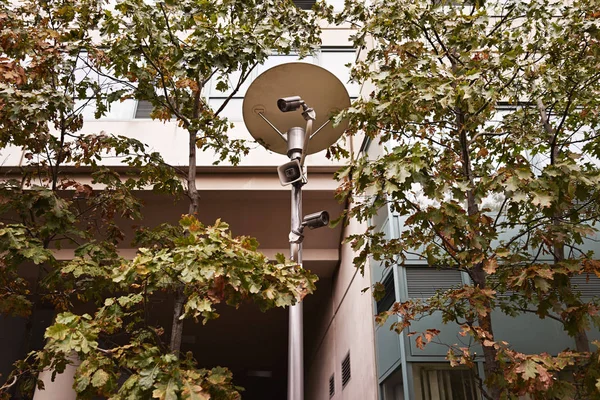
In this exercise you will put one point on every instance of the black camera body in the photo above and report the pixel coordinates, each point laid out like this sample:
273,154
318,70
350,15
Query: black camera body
316,220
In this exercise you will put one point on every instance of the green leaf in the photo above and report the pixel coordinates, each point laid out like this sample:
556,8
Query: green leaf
57,332
166,391
148,376
528,369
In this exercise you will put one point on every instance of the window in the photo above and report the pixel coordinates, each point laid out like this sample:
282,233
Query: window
392,387
338,60
332,59
423,282
389,298
304,4
445,383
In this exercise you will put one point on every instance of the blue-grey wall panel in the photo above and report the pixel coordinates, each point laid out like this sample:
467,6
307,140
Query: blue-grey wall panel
388,348
449,334
529,334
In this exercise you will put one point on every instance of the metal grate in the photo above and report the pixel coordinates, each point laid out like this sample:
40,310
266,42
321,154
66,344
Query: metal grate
304,4
331,386
423,282
587,285
143,109
346,374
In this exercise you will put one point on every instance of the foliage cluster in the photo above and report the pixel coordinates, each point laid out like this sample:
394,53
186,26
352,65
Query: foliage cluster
488,116
58,58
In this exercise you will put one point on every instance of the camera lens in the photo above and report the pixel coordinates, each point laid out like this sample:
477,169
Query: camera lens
324,217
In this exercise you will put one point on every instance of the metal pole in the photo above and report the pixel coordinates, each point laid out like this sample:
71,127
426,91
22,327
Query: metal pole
296,330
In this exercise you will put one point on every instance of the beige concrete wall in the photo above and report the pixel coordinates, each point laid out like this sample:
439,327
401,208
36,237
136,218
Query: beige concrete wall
61,388
346,326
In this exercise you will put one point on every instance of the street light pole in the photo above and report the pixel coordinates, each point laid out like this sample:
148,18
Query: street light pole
265,107
296,323
295,138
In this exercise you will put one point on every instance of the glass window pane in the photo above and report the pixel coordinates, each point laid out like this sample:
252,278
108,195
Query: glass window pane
118,111
336,62
232,81
232,111
275,60
338,5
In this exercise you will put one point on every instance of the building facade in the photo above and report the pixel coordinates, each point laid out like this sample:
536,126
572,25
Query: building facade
347,356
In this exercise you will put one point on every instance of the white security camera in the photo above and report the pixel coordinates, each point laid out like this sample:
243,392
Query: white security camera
290,172
316,220
292,103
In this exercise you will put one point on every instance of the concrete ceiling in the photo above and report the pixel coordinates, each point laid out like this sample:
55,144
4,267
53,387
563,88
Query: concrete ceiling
264,215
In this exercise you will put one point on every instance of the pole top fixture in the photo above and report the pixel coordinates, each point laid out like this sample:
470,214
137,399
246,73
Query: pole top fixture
306,83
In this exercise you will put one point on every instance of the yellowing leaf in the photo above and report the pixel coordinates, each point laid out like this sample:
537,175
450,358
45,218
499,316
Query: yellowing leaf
542,199
528,369
166,392
100,378
490,266
419,342
193,392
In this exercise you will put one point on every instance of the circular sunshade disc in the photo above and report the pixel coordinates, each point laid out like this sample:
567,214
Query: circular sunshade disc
319,88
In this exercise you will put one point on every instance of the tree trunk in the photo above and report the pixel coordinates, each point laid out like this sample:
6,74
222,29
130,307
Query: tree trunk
192,192
191,180
490,365
177,326
582,343
180,297
478,275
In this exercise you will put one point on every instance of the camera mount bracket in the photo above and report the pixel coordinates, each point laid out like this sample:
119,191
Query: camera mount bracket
296,236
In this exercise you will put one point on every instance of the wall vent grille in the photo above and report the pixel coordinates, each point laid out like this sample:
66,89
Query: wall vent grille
346,374
331,386
587,285
423,282
143,109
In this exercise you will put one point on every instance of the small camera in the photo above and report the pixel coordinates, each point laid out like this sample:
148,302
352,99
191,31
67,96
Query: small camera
316,220
287,104
290,172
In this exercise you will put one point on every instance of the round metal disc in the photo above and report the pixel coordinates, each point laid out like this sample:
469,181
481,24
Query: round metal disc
319,89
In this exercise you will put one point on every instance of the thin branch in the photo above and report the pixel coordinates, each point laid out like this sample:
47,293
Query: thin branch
241,81
500,211
565,114
528,310
501,22
175,42
451,57
171,107
479,134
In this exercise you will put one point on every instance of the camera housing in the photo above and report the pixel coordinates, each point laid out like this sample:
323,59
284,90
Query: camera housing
290,172
316,220
287,104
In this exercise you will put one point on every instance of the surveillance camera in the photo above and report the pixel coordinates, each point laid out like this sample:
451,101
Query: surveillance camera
316,220
290,172
289,103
